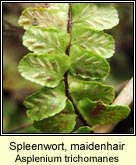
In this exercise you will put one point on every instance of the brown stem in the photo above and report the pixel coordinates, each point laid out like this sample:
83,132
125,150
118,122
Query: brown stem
69,29
69,26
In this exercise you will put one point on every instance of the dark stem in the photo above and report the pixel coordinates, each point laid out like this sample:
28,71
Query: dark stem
69,26
69,29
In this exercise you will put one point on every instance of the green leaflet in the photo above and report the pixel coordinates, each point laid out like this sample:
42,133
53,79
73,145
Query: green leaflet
87,46
92,90
45,103
84,129
52,16
88,65
44,69
98,113
97,41
42,40
97,17
64,122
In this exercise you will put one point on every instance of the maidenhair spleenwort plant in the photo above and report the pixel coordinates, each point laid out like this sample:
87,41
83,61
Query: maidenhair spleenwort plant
68,59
